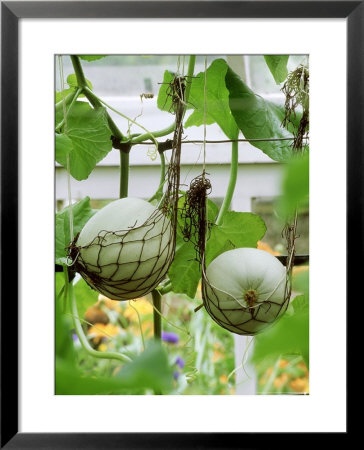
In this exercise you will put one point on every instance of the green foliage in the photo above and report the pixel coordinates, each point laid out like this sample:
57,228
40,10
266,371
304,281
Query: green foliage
91,57
72,81
257,119
85,296
237,230
217,100
164,101
81,212
290,335
295,186
89,140
59,97
63,340
149,371
278,66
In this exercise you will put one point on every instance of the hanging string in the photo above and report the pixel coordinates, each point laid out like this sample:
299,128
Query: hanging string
204,116
60,61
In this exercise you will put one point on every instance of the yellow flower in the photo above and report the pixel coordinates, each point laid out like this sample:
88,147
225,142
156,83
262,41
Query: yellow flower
283,363
300,385
141,305
100,330
102,347
280,381
110,304
223,379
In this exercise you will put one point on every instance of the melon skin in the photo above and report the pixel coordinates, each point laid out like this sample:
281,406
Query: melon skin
125,249
231,275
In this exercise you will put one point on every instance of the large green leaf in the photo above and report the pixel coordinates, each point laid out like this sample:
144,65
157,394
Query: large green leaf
278,66
85,296
295,186
257,119
184,272
81,212
217,100
289,336
237,230
89,140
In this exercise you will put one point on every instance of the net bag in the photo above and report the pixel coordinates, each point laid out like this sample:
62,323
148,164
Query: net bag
125,250
245,290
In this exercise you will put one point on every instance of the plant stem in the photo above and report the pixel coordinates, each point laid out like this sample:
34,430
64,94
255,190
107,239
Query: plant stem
81,335
159,193
124,174
81,79
232,182
91,97
157,302
190,70
165,289
160,133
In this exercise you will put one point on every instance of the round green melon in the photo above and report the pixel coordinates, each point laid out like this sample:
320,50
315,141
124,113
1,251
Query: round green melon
125,249
245,290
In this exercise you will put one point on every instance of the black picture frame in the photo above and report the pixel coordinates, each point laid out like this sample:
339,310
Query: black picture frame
11,13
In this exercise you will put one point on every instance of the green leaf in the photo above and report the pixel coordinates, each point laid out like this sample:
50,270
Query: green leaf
289,336
237,230
60,94
164,101
295,186
184,272
257,119
300,303
89,140
149,371
72,81
301,282
81,212
85,296
217,100
63,147
278,66
91,57
63,339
